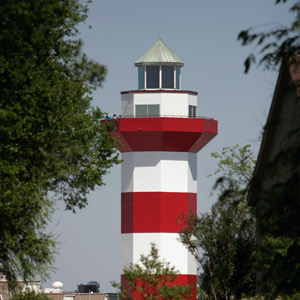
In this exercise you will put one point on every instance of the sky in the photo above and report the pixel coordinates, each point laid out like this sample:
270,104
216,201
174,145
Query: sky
203,33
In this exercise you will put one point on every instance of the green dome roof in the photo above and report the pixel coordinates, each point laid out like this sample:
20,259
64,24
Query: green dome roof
159,54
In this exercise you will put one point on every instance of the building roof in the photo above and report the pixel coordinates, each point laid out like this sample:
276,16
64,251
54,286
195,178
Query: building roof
32,285
76,296
159,54
289,75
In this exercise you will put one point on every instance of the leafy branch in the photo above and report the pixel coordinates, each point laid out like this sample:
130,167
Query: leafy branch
274,45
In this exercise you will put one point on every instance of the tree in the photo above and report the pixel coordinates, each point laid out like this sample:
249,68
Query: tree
223,240
52,139
275,187
277,213
278,43
153,279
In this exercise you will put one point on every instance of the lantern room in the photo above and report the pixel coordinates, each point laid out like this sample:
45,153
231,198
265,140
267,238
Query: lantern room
159,68
159,91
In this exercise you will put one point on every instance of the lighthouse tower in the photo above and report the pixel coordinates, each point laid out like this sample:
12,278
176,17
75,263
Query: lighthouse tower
160,135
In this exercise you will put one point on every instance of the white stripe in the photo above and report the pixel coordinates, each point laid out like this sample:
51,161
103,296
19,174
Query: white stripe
159,172
170,250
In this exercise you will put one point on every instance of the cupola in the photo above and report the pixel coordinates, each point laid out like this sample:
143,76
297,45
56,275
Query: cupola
159,68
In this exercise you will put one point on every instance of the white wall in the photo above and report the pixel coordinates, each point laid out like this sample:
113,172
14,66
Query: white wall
192,100
171,104
159,171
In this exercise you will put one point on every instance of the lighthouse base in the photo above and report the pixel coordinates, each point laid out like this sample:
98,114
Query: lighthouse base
134,293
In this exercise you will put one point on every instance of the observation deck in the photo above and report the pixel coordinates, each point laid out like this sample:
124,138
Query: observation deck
164,133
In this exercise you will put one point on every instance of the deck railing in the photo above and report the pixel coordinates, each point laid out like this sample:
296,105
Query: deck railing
165,116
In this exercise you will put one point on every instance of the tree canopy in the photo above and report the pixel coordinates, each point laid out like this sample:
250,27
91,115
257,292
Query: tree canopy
273,45
223,240
52,139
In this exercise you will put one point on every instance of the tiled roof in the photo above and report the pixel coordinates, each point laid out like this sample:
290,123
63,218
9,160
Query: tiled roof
76,296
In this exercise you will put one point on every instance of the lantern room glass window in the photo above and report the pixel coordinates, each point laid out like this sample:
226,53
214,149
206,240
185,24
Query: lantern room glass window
159,77
167,77
177,78
152,75
141,78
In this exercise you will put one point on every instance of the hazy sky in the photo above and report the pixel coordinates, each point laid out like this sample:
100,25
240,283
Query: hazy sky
203,33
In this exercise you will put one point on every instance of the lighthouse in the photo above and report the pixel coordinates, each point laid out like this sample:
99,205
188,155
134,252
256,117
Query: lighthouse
160,135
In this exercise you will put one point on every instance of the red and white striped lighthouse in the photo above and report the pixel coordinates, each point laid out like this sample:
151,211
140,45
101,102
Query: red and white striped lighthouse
160,136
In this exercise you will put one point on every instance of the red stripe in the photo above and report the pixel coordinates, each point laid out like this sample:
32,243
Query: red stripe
160,92
164,134
155,211
195,125
181,279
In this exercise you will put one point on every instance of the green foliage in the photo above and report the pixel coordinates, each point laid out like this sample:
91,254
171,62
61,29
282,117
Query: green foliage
223,240
278,43
30,295
275,189
52,139
275,193
235,164
278,228
153,279
25,249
